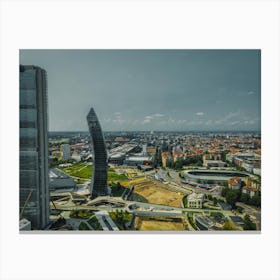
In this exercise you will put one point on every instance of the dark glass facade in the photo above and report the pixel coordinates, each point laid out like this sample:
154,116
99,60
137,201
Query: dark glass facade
33,124
99,173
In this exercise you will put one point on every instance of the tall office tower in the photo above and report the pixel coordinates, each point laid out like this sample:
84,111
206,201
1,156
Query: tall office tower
34,170
65,151
144,150
99,174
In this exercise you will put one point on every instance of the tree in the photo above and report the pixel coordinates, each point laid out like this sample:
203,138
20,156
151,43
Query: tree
256,200
232,197
178,164
248,224
225,184
118,186
245,198
215,201
218,216
223,155
229,225
225,191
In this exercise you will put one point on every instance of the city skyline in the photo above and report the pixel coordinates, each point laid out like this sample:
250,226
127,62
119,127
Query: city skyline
134,180
160,90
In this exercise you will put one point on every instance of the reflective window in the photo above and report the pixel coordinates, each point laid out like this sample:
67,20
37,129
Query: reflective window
27,80
28,179
27,143
28,115
28,97
28,132
28,135
27,124
28,160
28,197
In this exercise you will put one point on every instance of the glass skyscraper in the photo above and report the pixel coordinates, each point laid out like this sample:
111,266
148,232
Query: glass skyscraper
99,173
33,123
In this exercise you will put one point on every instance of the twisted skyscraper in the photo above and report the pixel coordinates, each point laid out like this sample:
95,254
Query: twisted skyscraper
99,173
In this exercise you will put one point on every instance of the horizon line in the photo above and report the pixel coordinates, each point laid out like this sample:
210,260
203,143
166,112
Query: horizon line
259,131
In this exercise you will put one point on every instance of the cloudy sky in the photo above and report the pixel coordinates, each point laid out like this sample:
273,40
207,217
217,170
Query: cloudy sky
151,89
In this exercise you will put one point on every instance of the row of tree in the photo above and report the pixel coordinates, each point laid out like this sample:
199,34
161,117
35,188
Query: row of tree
233,196
195,160
248,224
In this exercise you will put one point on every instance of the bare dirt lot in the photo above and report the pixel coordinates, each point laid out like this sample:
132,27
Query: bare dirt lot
143,224
155,192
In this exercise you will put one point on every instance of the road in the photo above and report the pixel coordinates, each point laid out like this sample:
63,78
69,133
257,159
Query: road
146,209
252,212
137,208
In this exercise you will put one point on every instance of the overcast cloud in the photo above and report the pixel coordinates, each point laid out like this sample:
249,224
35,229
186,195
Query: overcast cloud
151,89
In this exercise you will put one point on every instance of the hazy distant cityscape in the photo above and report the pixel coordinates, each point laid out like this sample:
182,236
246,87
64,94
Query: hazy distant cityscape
202,175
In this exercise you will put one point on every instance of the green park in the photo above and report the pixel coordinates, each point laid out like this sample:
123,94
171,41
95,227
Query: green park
82,172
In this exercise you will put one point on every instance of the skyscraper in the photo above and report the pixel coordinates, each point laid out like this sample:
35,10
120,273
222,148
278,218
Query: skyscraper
33,123
99,173
65,151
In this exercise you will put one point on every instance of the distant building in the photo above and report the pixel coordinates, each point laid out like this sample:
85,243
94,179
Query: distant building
254,183
33,123
211,157
195,200
138,160
248,166
165,157
214,163
117,154
151,150
144,150
257,171
178,156
65,151
249,160
252,186
77,157
234,183
116,158
251,191
121,140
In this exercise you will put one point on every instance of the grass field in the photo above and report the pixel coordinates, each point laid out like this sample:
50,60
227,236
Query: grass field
83,170
120,218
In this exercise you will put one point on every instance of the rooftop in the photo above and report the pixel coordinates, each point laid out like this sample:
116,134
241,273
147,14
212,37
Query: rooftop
56,173
234,181
195,196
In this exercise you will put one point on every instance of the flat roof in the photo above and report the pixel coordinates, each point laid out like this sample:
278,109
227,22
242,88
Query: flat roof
56,173
140,158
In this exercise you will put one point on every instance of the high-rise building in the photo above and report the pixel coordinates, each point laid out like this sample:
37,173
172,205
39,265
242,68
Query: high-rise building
65,151
99,174
144,150
33,123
